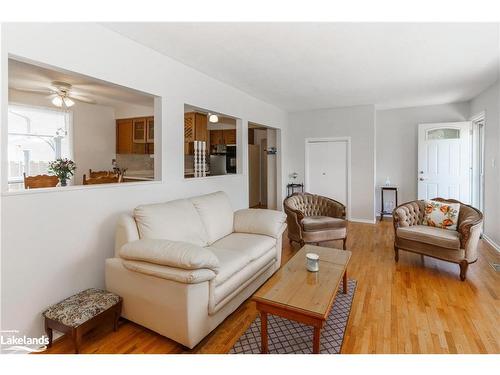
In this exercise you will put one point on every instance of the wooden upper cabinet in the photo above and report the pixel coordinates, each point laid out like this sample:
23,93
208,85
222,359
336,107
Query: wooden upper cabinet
124,136
195,129
189,127
229,136
135,135
150,130
223,137
216,137
139,130
201,130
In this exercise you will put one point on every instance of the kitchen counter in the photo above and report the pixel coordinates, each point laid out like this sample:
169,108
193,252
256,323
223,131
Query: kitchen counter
141,175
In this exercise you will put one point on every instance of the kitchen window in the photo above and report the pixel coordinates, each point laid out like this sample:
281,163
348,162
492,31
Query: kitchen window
210,143
36,136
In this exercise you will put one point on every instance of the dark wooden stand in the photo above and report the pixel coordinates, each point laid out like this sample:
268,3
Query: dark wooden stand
382,189
76,333
294,188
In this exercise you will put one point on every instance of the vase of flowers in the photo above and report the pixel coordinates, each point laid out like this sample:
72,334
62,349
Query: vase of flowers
63,169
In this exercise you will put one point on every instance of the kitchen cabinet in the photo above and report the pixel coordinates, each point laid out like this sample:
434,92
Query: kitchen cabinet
216,137
229,136
223,137
135,135
195,129
150,130
139,130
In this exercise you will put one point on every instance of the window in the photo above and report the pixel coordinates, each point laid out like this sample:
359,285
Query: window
36,136
448,133
209,143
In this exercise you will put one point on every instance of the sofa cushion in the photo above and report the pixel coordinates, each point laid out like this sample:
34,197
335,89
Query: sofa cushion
252,245
230,262
170,253
176,220
216,214
223,291
441,214
431,235
314,223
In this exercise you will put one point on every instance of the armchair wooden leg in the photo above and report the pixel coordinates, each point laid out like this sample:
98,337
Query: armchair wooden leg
396,253
463,269
302,243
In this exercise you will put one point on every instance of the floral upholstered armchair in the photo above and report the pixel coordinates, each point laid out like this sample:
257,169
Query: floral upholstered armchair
314,219
415,232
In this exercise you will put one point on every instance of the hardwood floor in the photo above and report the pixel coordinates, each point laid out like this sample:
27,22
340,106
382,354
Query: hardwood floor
418,305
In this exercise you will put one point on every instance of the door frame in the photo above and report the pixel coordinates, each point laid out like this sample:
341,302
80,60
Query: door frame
346,140
478,141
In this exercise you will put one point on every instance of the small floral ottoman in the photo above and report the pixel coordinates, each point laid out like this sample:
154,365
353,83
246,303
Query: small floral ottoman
80,313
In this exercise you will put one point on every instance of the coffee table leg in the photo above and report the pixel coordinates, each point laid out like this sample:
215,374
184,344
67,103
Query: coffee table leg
263,333
316,340
344,282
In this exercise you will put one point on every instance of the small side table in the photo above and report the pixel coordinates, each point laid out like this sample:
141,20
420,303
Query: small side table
80,313
382,189
294,188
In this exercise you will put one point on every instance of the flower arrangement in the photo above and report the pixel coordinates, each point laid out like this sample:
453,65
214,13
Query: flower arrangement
63,169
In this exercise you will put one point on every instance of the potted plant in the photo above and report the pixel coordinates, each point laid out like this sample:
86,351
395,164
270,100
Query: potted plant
63,169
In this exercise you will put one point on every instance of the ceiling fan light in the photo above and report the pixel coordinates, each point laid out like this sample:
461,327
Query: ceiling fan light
57,101
213,118
68,102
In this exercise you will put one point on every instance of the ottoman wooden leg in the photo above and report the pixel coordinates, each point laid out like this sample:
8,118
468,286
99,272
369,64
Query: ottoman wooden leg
77,339
48,330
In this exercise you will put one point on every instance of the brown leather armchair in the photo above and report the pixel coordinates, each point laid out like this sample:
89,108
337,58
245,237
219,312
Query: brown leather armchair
313,219
458,246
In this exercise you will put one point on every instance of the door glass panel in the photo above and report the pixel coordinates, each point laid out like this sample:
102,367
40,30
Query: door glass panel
445,133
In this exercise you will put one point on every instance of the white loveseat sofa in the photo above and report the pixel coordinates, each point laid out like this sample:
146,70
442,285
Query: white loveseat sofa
183,266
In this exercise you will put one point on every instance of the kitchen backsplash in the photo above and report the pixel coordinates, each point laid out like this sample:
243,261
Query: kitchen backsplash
135,162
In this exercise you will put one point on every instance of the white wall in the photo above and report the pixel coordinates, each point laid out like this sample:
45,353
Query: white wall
133,110
54,243
397,141
489,102
356,122
94,132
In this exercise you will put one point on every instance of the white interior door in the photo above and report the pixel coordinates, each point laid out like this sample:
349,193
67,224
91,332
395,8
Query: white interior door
444,161
326,169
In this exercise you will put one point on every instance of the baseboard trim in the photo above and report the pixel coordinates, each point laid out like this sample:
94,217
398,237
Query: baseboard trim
492,243
364,221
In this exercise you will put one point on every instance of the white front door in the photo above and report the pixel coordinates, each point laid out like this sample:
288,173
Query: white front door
444,161
326,169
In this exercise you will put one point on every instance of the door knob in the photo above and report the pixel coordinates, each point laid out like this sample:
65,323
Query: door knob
421,179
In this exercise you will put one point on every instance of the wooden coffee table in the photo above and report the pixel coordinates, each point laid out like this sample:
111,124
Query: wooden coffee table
305,297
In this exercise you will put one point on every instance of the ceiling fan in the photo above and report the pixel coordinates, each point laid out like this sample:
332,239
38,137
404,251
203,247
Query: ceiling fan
61,94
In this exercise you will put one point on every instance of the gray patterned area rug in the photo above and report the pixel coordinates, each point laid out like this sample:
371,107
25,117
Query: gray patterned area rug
289,337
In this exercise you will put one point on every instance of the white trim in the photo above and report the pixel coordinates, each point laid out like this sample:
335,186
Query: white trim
306,169
491,242
364,221
58,189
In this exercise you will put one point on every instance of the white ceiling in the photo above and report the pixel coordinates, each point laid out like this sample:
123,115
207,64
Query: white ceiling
301,66
23,75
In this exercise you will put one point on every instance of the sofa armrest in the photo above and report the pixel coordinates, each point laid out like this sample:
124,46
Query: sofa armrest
175,254
170,273
260,221
126,231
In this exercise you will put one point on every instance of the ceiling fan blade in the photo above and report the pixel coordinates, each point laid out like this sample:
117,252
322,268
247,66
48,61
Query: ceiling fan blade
34,91
82,99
